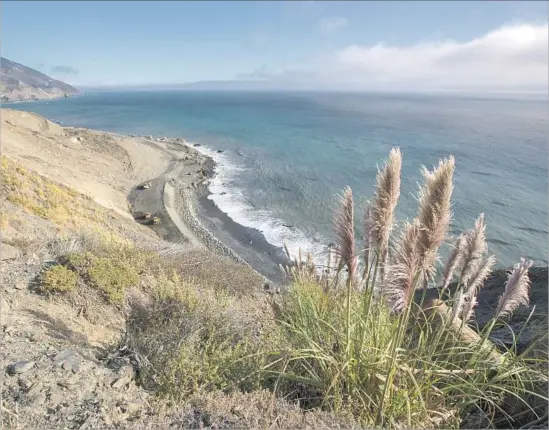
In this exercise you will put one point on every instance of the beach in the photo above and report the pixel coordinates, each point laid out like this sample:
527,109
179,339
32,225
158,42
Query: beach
179,196
281,159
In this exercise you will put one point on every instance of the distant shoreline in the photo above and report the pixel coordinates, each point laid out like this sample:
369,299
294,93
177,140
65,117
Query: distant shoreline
7,104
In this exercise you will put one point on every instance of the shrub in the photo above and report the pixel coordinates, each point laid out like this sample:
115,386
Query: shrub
58,279
112,277
112,273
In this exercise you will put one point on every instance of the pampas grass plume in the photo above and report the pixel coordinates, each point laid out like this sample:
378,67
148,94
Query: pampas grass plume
516,290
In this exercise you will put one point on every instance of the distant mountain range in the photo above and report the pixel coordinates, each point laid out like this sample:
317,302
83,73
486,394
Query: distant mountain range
21,83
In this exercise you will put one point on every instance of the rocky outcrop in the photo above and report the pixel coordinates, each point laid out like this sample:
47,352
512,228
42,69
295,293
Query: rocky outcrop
21,83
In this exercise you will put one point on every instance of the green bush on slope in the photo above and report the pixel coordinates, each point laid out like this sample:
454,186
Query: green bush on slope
112,270
58,279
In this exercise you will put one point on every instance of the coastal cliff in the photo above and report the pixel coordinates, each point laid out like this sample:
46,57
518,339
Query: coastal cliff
21,83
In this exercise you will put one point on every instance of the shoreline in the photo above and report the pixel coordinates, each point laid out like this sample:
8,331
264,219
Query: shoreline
179,197
247,242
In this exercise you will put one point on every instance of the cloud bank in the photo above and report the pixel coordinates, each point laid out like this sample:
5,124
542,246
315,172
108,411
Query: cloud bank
510,58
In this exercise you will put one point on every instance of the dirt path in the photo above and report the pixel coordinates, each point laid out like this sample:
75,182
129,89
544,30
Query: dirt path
169,204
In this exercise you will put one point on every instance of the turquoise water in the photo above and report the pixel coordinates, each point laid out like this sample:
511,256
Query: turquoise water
315,144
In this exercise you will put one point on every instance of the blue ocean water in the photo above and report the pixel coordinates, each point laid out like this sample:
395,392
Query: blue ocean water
287,155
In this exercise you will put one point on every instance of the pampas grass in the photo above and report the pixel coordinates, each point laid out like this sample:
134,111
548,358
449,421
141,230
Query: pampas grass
476,247
465,298
469,309
387,193
516,290
367,238
457,306
404,272
374,357
345,232
434,213
454,261
482,273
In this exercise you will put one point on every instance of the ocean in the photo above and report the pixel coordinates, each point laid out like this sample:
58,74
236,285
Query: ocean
286,156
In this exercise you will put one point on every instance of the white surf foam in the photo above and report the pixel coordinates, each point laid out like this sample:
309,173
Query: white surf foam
232,200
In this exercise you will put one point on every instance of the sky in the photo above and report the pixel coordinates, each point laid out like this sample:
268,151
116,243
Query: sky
431,45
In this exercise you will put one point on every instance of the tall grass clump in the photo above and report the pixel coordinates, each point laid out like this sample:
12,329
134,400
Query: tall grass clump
365,336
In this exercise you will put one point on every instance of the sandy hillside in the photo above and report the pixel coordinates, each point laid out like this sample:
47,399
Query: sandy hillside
102,165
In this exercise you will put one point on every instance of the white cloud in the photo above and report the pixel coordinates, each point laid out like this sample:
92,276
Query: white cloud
511,57
330,25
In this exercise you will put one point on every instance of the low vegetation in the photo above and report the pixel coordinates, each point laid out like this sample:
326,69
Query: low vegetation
58,279
111,276
354,342
196,340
